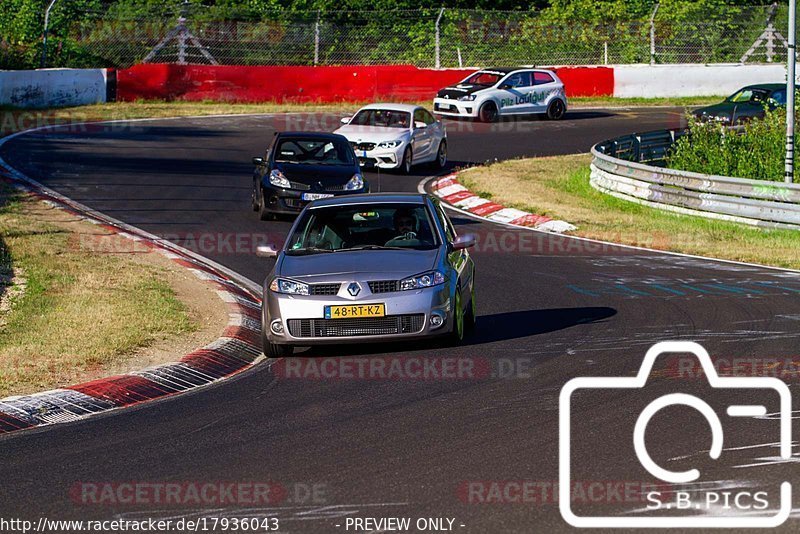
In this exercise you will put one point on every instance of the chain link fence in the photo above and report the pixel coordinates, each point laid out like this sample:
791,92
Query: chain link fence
427,38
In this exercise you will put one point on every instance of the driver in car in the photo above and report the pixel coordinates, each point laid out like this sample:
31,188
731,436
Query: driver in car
405,224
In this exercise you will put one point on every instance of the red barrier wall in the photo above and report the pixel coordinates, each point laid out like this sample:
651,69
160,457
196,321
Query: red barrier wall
316,84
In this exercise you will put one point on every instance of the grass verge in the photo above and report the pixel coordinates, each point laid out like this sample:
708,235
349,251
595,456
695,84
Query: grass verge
559,187
13,120
84,314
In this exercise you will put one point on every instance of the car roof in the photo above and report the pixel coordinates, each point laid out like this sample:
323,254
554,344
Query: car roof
506,70
766,86
392,106
370,198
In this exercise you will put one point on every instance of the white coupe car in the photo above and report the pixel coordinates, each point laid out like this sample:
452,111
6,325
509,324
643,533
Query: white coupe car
396,136
491,93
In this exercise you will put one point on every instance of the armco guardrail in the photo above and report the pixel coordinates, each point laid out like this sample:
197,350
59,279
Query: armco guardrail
629,167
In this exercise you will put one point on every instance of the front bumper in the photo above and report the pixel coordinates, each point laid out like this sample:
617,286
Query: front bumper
302,317
455,108
384,158
291,201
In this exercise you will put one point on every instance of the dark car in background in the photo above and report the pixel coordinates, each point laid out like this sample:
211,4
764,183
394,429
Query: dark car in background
747,103
299,167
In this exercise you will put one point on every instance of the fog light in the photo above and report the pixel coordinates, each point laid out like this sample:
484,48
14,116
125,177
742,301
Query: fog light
437,320
277,327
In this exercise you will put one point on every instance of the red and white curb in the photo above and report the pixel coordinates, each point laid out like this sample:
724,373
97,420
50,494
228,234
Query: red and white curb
452,192
238,349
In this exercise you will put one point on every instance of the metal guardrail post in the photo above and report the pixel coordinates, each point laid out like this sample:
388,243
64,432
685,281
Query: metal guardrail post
791,59
653,34
438,61
44,36
316,40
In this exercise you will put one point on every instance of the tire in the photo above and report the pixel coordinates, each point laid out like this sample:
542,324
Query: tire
488,112
441,155
263,213
471,317
457,334
408,161
254,198
273,350
556,109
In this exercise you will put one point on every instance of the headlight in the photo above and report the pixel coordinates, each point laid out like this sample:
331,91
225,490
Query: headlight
390,144
289,287
467,98
277,178
429,279
355,183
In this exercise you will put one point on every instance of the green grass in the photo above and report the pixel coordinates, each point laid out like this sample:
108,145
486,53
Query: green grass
559,187
81,310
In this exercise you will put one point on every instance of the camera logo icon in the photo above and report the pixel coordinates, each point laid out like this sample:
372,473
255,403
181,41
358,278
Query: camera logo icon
675,477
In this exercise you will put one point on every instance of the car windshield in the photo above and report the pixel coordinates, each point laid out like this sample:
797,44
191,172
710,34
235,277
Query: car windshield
363,227
749,95
484,78
311,151
387,118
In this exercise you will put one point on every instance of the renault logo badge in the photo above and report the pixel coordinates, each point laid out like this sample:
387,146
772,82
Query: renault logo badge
354,289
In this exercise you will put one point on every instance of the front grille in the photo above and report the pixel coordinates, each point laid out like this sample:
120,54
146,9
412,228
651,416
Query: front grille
299,186
324,289
334,187
363,146
363,326
384,286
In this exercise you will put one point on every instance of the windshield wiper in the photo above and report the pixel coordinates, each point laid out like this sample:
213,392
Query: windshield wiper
376,247
307,250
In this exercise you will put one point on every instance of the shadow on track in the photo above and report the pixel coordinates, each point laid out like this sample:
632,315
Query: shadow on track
519,324
491,328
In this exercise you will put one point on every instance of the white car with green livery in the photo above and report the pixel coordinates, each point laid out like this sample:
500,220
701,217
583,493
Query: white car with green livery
489,94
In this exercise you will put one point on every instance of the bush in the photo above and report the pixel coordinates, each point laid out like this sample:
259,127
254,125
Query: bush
756,151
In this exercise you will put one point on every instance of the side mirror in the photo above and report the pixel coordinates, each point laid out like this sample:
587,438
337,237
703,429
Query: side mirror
463,241
345,120
266,251
419,125
258,161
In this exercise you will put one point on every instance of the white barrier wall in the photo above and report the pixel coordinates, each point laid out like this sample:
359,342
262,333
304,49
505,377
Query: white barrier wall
691,80
52,87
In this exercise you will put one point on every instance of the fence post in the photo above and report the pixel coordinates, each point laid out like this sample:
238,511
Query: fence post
316,41
438,56
46,26
653,34
605,52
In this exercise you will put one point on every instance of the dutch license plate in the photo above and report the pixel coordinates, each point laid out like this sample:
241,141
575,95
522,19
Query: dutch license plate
315,196
355,310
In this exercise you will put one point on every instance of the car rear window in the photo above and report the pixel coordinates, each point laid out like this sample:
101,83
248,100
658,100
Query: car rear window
541,78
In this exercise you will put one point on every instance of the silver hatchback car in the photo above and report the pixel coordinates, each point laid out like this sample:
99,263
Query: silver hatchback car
368,268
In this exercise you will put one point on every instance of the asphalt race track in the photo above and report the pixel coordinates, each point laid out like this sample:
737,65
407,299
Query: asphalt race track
550,309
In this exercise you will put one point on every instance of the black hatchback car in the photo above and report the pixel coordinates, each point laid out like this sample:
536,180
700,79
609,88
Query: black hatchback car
747,103
299,167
